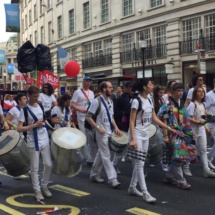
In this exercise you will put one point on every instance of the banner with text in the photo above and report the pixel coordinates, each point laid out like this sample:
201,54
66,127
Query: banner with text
47,77
2,57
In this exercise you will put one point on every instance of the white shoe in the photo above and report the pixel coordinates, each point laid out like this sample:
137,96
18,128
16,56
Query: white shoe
39,196
46,192
123,159
97,178
148,198
187,172
207,173
133,191
211,166
114,183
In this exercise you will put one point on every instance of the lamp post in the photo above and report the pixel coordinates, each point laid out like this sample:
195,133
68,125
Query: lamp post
143,45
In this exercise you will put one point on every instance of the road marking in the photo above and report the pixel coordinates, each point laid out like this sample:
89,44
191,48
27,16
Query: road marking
4,172
139,211
69,190
10,210
11,200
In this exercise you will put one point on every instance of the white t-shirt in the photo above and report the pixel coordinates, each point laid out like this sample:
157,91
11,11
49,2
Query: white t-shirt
46,101
143,118
42,133
79,98
165,97
210,106
60,115
190,93
192,111
12,103
15,113
1,111
102,117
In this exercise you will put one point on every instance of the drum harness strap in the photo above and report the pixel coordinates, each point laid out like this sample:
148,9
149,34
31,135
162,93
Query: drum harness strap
108,114
65,117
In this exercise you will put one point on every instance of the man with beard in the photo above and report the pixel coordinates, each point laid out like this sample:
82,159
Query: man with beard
104,125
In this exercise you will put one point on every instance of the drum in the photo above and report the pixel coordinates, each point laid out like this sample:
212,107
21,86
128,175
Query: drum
117,144
155,151
14,153
67,151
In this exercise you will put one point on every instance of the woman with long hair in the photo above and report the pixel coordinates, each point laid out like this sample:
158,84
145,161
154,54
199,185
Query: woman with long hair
61,114
142,114
158,97
47,98
196,110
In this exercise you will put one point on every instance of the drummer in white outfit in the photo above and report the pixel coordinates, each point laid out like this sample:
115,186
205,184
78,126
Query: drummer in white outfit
36,130
104,125
139,136
61,114
81,99
210,106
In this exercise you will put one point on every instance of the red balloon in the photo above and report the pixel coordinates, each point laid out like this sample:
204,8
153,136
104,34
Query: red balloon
71,68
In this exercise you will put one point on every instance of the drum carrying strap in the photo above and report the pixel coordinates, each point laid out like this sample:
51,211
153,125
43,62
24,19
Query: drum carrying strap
65,118
108,114
34,129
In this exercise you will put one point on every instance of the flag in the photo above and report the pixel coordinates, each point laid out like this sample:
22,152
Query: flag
47,77
18,77
63,56
2,56
12,17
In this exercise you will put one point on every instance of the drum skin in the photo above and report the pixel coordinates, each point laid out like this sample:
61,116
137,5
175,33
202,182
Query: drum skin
14,153
67,151
155,151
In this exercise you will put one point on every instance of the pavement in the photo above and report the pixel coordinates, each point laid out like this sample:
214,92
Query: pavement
78,195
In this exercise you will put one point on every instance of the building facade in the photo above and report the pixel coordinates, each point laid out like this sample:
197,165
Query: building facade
103,37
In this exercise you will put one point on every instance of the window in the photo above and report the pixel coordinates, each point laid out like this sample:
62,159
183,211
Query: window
87,51
49,32
35,38
159,35
128,42
71,22
8,60
127,7
97,48
107,46
86,7
41,7
155,3
59,24
42,34
26,21
30,17
73,53
210,26
191,29
49,3
105,10
145,34
35,12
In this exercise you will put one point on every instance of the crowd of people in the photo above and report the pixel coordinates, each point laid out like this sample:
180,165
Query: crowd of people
180,114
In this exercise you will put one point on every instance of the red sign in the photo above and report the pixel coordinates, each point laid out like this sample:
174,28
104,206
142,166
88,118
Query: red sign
30,81
47,77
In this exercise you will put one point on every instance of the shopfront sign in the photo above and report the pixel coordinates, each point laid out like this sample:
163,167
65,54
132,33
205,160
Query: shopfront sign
211,55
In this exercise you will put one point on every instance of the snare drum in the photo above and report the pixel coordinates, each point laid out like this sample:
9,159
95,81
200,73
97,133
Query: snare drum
117,144
14,153
155,151
67,151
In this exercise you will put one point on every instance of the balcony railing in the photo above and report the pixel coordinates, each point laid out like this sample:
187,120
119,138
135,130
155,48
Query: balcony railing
150,52
101,60
190,46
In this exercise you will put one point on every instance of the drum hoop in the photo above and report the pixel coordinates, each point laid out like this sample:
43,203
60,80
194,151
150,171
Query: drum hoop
154,132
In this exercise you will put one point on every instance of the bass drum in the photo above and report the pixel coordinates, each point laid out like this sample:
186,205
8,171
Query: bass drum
155,151
67,151
14,153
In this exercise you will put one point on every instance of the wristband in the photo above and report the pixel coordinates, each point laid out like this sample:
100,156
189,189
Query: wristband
97,127
165,136
14,125
168,128
5,122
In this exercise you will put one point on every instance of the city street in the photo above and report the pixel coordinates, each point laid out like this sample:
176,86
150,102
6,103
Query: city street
80,196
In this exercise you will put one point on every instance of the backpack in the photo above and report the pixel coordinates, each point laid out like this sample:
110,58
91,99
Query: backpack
139,106
86,123
26,117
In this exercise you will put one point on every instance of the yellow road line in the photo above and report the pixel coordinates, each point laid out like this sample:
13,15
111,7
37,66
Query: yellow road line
11,200
5,173
69,190
10,210
139,211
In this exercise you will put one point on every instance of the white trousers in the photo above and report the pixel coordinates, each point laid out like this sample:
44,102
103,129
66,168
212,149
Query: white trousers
211,154
103,158
138,167
176,172
89,149
34,162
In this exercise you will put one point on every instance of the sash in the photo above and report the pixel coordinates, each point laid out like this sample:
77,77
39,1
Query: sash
108,114
19,108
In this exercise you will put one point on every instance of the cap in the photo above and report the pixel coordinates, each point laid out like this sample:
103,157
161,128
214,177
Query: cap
87,78
128,84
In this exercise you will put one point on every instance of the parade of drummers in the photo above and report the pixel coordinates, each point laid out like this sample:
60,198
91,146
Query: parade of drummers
107,107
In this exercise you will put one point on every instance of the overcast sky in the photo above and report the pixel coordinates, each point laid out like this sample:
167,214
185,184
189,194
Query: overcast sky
3,35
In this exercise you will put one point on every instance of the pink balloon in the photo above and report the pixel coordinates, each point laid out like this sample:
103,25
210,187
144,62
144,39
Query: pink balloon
71,68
